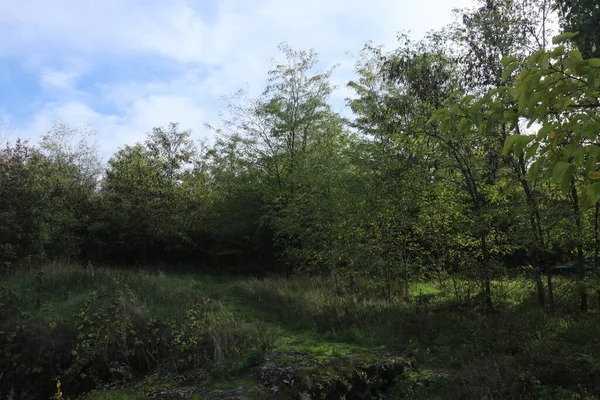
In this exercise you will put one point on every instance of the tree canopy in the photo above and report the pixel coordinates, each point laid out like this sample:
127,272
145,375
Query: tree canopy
471,152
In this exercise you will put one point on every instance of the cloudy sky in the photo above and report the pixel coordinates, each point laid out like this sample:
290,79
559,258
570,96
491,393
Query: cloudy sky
124,66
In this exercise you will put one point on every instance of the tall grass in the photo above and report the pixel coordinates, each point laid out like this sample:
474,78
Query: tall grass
518,352
85,327
226,324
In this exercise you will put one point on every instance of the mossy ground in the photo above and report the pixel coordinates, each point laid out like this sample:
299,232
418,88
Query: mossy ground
459,352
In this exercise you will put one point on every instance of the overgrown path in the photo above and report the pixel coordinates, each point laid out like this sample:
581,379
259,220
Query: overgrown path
296,360
183,335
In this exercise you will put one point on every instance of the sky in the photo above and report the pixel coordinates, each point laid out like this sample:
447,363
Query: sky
125,66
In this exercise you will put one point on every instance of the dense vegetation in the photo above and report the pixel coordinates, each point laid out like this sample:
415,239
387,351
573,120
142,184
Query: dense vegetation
470,160
153,332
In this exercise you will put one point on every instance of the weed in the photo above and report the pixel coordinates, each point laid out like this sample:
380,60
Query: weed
89,331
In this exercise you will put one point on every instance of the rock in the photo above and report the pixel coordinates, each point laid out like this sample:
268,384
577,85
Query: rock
296,375
341,377
182,393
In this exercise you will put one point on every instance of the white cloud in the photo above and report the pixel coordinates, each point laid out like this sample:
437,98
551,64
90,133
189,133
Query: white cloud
96,27
59,79
212,56
75,112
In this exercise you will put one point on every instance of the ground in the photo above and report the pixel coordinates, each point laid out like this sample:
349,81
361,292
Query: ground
117,334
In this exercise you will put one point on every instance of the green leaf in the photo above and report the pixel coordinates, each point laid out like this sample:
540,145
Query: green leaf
594,150
544,131
467,99
508,144
523,102
534,58
558,51
590,130
559,170
593,192
579,155
545,63
463,125
519,142
570,64
565,183
592,76
591,163
509,70
594,62
576,54
563,37
535,168
531,150
509,60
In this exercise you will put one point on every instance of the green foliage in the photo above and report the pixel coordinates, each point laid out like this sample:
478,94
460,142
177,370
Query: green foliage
447,171
285,148
493,30
459,353
581,16
153,196
559,92
23,231
220,329
117,333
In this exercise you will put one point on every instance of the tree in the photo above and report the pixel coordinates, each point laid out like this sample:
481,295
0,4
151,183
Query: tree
394,161
237,205
488,33
23,207
289,133
70,173
581,16
559,90
150,196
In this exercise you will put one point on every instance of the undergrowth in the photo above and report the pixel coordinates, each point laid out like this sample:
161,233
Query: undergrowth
517,352
78,331
66,331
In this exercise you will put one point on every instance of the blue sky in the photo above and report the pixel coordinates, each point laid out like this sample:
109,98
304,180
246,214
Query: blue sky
124,66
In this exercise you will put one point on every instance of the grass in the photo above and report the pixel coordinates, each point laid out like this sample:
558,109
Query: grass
459,352
66,288
116,395
519,351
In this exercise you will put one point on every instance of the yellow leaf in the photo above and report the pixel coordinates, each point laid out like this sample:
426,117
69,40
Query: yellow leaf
594,175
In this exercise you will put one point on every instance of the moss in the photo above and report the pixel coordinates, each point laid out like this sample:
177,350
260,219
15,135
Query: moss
316,370
116,395
289,360
232,384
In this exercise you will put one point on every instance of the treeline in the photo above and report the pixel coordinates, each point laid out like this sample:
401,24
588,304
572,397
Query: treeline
471,153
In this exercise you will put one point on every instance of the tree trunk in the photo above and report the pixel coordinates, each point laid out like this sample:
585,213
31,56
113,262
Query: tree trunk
580,259
406,288
486,274
538,233
440,281
389,283
596,236
540,288
550,291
